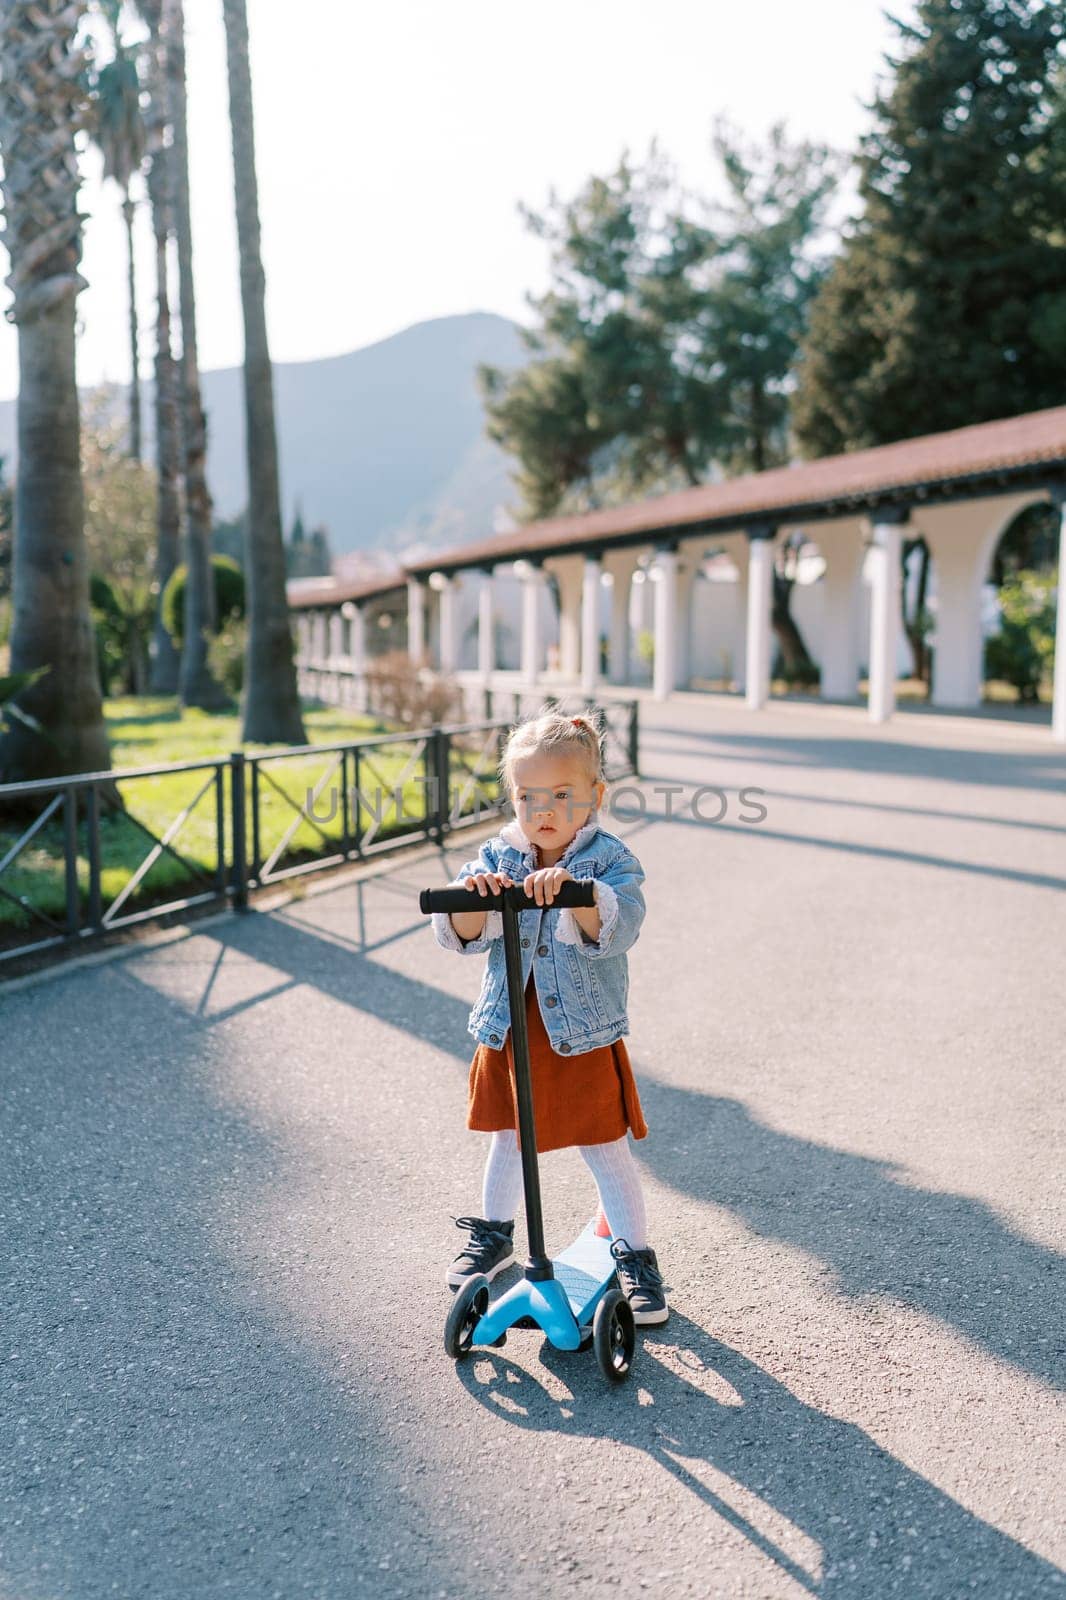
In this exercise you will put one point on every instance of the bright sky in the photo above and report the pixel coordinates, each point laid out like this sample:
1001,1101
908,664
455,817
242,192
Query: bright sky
395,141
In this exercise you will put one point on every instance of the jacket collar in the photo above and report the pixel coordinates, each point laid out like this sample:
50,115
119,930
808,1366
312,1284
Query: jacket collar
515,835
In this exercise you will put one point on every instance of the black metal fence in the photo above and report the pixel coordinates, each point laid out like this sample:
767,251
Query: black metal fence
255,825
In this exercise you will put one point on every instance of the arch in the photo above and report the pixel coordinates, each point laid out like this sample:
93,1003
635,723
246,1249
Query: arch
962,537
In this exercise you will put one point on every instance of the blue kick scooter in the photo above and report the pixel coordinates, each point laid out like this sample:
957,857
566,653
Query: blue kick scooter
575,1298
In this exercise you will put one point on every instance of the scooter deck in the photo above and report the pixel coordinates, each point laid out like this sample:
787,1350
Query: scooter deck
583,1268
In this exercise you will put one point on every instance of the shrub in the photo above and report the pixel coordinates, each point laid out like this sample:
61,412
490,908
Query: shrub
411,696
1022,652
225,654
229,596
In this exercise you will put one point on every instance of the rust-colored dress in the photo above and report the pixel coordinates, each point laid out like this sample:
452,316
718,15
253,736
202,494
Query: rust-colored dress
590,1098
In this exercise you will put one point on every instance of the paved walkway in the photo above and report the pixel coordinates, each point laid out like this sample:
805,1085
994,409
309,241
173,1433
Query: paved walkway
227,1165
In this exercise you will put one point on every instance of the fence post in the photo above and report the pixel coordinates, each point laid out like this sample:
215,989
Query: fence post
220,827
70,856
439,764
92,824
240,847
346,835
253,866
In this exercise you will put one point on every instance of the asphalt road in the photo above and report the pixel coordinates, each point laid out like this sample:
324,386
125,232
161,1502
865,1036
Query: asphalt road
228,1167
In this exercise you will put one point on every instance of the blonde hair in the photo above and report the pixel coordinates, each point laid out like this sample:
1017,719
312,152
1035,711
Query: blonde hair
552,732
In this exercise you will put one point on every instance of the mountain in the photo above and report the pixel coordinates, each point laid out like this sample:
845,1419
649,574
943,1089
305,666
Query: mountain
385,445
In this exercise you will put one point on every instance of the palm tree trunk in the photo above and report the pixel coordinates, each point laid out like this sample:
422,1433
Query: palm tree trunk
164,655
41,106
272,702
135,355
198,686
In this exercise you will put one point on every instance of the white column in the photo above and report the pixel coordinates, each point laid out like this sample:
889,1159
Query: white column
449,641
486,622
416,619
320,649
686,581
303,637
568,574
760,599
590,625
532,654
336,635
841,546
357,639
884,618
621,570
1058,709
958,655
740,618
664,663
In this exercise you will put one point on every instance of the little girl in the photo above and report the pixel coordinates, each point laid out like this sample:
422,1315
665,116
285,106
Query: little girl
576,986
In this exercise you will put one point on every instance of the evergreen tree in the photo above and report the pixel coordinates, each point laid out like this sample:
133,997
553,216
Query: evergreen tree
947,305
664,345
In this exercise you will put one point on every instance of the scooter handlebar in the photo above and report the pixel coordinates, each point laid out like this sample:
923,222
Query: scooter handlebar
574,892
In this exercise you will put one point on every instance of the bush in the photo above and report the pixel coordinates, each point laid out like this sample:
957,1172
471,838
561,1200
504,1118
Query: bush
411,696
109,629
1022,652
225,654
229,596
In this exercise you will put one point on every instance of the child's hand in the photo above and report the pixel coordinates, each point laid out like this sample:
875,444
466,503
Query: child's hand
544,884
488,882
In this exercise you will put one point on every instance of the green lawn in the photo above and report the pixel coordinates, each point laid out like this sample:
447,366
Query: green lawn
152,731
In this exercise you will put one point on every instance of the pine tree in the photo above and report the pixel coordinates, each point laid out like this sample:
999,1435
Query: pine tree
948,303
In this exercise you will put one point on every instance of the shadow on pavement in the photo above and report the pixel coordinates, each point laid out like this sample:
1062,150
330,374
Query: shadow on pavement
817,1497
1009,768
162,1433
847,847
948,1255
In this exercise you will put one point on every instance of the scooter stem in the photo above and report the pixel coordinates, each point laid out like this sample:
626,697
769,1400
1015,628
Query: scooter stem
539,1266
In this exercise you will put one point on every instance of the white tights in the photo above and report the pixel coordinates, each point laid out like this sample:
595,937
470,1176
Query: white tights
617,1181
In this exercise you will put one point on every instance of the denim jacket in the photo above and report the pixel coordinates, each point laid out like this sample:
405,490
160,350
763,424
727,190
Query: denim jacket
582,984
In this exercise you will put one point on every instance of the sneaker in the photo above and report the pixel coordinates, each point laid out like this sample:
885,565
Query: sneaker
641,1281
490,1250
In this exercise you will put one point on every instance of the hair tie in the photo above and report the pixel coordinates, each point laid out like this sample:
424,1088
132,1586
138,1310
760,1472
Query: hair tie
577,721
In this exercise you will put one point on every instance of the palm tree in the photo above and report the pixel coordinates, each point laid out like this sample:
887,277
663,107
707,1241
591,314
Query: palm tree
42,106
196,684
119,132
272,701
164,656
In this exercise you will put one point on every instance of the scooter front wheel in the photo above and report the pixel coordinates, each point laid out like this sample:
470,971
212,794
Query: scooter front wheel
614,1335
467,1309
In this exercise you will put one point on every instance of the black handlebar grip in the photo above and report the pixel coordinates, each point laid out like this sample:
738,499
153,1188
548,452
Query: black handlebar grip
574,892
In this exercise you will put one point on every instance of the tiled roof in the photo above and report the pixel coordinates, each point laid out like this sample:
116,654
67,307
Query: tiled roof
988,457
307,594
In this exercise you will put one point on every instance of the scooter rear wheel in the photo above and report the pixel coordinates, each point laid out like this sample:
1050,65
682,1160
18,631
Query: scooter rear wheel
467,1309
614,1335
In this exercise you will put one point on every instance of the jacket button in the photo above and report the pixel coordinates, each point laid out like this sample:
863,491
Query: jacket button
542,949
525,944
551,1001
564,1048
494,1038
